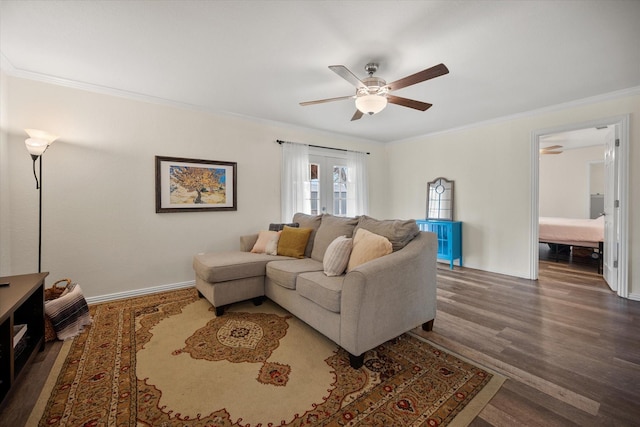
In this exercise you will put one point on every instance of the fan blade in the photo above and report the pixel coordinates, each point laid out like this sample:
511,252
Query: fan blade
357,115
429,73
553,147
321,101
343,72
411,103
550,152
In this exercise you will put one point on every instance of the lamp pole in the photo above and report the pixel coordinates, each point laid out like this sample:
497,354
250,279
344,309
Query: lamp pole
40,218
37,144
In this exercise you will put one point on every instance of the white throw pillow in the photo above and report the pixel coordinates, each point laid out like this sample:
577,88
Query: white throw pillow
336,257
368,246
263,238
272,244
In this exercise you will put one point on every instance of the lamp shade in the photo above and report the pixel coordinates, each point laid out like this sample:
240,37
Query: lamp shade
40,134
371,104
36,146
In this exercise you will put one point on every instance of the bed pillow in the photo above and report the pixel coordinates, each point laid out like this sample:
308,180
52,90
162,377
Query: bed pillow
336,257
293,241
367,246
263,238
69,314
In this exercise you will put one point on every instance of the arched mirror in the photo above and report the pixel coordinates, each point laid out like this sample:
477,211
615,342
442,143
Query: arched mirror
440,199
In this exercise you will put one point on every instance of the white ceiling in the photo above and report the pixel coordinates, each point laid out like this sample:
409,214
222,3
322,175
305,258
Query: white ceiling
581,138
259,59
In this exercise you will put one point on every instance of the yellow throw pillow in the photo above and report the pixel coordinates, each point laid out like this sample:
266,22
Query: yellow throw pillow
368,246
293,241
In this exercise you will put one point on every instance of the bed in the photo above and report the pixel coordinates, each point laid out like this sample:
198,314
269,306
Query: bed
583,233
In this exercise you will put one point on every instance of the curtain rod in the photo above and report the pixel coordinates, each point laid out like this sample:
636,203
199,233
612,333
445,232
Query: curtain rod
279,141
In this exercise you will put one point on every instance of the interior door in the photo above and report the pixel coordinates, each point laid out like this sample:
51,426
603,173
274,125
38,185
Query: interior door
611,212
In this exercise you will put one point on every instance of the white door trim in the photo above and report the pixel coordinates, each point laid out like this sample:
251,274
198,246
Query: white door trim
623,189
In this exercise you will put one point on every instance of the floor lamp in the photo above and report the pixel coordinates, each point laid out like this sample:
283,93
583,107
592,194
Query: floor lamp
37,144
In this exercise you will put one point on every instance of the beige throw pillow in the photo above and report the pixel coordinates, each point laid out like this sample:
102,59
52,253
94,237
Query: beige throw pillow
264,236
337,255
366,247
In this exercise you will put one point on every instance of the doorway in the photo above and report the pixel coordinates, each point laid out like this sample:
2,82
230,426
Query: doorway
616,171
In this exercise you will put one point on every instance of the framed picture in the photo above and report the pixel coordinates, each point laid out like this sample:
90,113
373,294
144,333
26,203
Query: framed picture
189,185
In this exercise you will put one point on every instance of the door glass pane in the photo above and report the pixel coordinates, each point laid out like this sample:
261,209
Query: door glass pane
339,190
314,171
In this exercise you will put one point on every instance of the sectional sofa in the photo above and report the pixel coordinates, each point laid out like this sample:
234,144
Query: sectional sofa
388,286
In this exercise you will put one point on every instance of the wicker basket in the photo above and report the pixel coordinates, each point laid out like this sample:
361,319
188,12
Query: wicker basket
52,293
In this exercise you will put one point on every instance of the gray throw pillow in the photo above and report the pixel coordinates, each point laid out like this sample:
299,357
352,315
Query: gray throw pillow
280,226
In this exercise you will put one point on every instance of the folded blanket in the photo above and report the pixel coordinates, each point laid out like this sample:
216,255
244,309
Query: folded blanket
69,313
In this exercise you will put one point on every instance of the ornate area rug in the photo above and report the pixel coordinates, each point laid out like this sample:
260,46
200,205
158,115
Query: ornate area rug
167,360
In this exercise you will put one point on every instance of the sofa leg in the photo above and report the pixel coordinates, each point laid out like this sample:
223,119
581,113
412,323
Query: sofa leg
257,301
356,362
219,311
428,326
200,295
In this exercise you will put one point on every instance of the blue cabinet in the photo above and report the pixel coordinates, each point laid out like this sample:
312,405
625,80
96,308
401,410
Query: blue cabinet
449,238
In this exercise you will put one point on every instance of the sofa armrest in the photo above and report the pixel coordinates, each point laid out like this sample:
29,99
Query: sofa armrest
247,242
388,296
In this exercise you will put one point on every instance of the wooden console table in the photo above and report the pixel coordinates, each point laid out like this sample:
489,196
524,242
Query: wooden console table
21,303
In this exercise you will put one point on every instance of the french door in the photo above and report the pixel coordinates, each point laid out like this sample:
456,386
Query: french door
328,179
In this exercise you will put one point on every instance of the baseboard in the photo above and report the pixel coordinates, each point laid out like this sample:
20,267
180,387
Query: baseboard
634,296
140,292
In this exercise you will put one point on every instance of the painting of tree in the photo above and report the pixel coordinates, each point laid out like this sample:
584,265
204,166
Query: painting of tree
190,185
197,185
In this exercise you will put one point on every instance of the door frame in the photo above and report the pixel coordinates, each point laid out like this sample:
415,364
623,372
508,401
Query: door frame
622,124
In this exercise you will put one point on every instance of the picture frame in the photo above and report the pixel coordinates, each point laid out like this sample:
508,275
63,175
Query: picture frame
195,185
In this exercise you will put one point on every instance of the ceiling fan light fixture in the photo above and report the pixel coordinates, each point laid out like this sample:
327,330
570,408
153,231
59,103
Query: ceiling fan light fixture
371,104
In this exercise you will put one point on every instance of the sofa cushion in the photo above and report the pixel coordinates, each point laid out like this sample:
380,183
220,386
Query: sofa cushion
285,273
308,221
330,228
337,255
215,267
324,291
293,241
263,238
367,246
399,232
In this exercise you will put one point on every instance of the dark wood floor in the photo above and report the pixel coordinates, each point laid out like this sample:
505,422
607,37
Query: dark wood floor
569,346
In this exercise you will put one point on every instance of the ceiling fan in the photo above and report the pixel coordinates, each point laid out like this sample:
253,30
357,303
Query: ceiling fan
554,149
373,93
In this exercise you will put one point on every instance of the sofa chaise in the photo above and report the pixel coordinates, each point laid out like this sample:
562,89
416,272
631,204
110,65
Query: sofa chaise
376,299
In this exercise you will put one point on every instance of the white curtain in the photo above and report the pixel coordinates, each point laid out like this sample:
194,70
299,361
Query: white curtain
357,184
295,191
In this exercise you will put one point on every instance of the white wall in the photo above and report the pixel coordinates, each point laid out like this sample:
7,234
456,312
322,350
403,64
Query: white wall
491,166
564,182
99,223
5,229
